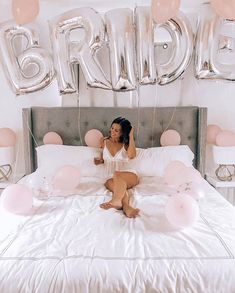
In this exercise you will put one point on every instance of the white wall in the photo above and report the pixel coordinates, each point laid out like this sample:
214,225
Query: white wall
218,97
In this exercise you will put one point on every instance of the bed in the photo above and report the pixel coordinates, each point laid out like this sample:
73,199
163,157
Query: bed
68,244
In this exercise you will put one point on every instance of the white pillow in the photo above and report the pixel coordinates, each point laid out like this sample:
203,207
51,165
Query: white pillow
148,162
51,157
153,161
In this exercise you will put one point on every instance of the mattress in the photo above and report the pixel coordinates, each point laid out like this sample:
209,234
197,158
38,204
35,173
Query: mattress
69,244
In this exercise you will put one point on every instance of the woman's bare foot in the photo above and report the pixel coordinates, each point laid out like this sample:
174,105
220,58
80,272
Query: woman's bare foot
113,203
131,212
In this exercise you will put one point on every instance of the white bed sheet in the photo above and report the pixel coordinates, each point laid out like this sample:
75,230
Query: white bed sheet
68,244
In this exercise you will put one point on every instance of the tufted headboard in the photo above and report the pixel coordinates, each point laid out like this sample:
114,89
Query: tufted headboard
71,123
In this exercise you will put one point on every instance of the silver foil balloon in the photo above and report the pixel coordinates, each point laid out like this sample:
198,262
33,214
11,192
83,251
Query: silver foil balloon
181,34
145,46
209,44
90,37
121,36
28,68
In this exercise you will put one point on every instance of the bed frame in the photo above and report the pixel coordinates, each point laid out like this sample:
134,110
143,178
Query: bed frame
71,123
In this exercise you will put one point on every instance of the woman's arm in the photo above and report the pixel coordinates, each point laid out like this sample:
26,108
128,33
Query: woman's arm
131,150
100,160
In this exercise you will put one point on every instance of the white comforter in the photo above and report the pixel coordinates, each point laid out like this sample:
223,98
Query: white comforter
68,244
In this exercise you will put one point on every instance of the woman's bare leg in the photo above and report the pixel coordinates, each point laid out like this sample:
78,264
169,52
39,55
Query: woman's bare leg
119,184
128,210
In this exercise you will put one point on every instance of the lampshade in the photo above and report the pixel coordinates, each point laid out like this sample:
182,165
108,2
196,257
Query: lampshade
224,155
7,155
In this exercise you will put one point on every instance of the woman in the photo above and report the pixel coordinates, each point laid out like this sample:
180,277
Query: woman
118,149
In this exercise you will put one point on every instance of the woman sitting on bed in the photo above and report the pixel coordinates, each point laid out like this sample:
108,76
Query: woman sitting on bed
118,149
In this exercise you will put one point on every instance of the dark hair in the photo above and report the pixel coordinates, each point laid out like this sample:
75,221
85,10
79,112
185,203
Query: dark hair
125,129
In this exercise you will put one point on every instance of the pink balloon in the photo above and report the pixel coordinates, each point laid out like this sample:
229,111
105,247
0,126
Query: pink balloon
177,174
93,137
190,174
17,199
25,11
181,210
52,138
225,138
170,137
172,174
66,178
193,189
7,137
224,8
163,10
211,132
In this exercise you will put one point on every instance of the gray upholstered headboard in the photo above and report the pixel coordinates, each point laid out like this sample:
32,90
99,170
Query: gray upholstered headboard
71,123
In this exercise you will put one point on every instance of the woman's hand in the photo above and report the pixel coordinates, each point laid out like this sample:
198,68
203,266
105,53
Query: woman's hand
131,151
98,161
131,134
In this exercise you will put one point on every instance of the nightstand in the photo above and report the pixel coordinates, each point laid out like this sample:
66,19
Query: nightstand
12,180
226,188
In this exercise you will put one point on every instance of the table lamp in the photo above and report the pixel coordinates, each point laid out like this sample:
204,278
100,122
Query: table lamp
7,159
225,158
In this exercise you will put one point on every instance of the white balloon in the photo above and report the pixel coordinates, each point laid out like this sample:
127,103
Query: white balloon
29,70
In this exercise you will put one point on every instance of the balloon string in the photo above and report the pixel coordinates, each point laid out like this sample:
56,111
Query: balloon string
138,113
131,100
79,122
31,135
154,114
77,83
171,119
114,99
29,129
174,110
16,163
78,105
180,92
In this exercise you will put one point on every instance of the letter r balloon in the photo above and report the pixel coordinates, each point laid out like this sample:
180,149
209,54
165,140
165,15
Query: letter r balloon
67,52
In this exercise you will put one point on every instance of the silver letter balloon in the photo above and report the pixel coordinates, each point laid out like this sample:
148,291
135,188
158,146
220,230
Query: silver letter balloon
91,36
212,46
145,46
29,67
121,36
181,34
78,35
